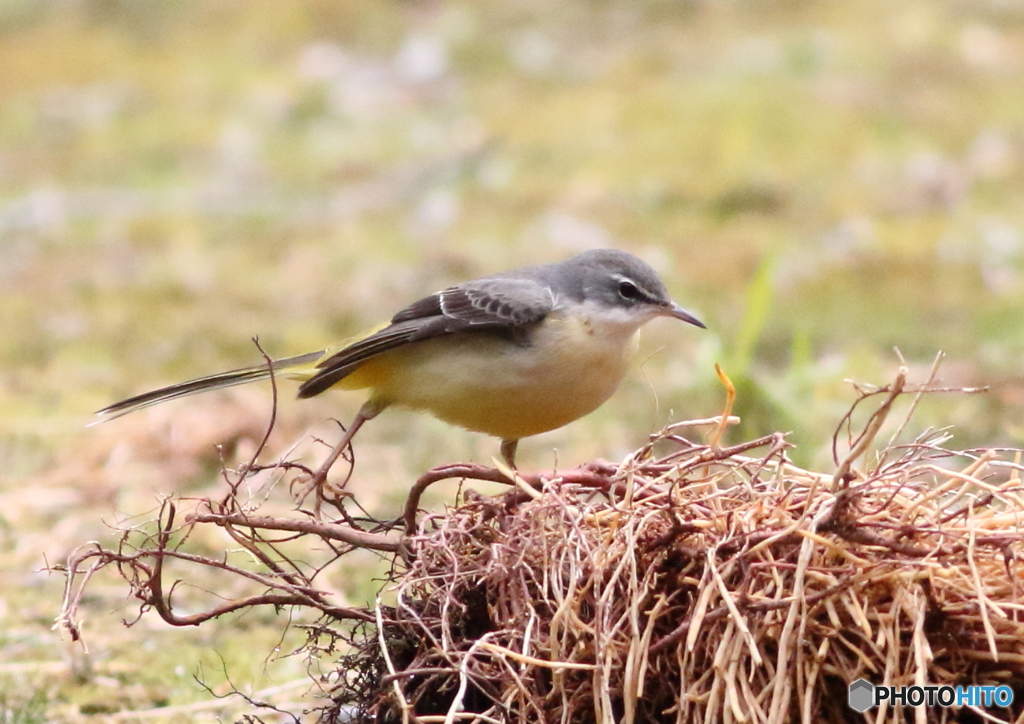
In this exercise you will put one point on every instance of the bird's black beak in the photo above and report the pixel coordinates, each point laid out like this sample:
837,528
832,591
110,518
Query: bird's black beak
674,310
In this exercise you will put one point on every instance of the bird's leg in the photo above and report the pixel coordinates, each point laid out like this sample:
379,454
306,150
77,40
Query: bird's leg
368,411
508,451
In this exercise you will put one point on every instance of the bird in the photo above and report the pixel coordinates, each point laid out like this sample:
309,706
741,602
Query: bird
511,355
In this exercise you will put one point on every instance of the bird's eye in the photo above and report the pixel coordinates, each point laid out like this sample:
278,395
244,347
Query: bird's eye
628,290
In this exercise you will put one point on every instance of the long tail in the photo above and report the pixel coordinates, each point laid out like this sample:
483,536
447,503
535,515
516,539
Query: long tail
212,382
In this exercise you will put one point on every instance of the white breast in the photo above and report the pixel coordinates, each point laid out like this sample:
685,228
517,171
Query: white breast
489,384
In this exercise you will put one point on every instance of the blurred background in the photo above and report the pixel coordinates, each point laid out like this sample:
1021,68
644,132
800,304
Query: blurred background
820,182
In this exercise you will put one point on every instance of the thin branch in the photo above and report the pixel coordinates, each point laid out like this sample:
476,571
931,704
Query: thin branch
389,543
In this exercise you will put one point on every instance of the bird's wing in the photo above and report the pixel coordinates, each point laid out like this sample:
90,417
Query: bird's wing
498,304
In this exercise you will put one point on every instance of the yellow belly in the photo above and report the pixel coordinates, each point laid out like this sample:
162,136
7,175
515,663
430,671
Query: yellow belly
495,386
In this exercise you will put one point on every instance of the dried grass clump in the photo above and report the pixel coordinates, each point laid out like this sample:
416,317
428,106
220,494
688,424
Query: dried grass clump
708,584
691,583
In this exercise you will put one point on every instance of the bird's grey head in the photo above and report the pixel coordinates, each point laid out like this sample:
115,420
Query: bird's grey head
619,280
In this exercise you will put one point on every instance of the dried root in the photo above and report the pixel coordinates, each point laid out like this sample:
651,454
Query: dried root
712,585
691,583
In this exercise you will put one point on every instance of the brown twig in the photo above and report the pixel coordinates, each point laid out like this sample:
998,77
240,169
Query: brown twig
591,594
346,534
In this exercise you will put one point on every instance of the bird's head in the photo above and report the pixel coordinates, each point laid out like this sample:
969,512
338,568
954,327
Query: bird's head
620,283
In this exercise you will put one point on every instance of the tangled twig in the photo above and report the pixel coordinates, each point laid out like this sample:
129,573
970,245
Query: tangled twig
702,583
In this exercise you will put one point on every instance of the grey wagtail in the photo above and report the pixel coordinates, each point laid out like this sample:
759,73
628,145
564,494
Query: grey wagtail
511,355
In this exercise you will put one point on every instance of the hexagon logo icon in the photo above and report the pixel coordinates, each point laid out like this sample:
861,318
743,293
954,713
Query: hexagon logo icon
862,695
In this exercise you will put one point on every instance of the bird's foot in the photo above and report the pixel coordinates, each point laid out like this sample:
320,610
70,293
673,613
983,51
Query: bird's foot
316,484
508,452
